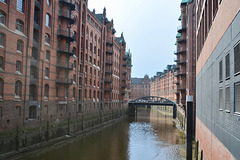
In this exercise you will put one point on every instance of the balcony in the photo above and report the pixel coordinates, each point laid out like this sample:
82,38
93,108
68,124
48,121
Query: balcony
108,80
62,34
124,58
65,81
65,49
109,62
181,74
176,82
124,72
181,89
181,62
108,89
181,40
109,43
108,71
65,66
109,51
181,29
180,52
67,16
123,92
124,65
69,3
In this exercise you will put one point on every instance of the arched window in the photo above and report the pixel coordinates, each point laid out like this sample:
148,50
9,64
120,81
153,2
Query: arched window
18,89
20,46
46,91
47,38
1,88
32,112
20,5
95,38
74,93
48,2
19,25
94,94
48,20
2,17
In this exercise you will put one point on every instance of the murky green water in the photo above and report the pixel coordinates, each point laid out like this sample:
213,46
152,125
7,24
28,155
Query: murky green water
150,136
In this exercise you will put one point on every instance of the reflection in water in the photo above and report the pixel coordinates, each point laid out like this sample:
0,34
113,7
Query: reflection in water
150,136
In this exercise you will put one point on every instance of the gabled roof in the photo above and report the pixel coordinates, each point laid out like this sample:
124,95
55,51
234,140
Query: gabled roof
185,1
178,35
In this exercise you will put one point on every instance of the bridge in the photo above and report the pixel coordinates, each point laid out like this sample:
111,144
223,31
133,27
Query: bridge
150,101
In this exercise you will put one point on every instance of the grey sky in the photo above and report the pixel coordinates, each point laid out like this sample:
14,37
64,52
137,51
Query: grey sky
149,28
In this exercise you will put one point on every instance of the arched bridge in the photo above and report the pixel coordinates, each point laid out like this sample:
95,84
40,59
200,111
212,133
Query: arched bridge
149,101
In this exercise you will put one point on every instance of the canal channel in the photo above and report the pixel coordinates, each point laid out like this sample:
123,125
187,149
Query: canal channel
149,136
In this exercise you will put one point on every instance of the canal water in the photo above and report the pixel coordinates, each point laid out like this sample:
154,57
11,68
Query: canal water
149,136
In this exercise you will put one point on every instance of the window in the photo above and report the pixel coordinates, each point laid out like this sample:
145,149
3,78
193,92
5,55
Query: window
5,1
57,92
33,72
34,53
87,44
46,72
66,92
48,20
237,59
2,40
1,88
20,46
18,66
221,98
35,35
95,49
20,5
2,17
47,38
227,61
90,59
18,89
46,91
48,2
75,64
1,63
19,25
220,71
32,112
74,93
33,92
237,98
47,55
74,78
90,47
227,99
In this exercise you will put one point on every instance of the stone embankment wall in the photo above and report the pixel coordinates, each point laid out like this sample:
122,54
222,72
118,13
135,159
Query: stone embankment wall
21,138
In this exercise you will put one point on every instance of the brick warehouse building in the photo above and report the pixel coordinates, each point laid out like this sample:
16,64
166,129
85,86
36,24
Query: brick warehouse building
218,79
164,84
140,87
58,61
186,53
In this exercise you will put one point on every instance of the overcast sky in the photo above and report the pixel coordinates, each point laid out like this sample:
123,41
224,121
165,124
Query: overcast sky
149,28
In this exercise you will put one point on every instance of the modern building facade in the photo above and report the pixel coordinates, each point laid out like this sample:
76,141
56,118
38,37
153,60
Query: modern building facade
163,84
218,79
140,87
58,60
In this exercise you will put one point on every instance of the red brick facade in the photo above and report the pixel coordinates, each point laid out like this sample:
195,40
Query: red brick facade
58,59
140,87
164,84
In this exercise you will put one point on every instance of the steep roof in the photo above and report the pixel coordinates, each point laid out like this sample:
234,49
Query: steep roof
137,80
